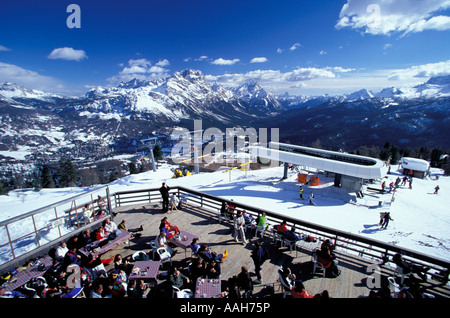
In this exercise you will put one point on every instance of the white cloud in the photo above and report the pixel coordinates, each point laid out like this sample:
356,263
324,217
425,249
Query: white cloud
280,50
141,69
4,48
221,61
295,46
30,79
293,77
201,58
259,60
163,63
67,53
322,52
400,16
421,71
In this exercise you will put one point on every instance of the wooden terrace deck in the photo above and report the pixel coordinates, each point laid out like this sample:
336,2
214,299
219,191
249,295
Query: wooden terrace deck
352,283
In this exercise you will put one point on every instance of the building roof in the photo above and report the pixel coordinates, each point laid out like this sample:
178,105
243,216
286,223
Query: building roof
331,161
415,164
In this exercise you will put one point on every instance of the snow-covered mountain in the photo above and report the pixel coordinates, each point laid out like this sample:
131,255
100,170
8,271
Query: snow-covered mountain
130,109
183,95
253,97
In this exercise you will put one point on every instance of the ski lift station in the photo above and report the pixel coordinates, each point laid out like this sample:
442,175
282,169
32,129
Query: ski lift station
349,170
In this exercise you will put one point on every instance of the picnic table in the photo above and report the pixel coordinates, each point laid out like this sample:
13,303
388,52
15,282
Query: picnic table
208,288
183,240
38,268
102,246
146,270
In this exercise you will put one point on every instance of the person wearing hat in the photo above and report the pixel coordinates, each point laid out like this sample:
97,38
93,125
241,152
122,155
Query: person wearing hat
117,287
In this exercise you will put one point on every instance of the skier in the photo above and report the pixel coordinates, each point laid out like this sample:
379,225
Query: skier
311,197
301,193
436,189
386,218
405,178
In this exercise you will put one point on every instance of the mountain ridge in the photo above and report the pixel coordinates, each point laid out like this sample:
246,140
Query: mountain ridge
33,120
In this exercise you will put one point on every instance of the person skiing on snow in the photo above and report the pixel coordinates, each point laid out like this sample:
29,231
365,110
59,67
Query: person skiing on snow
386,218
436,189
301,193
311,197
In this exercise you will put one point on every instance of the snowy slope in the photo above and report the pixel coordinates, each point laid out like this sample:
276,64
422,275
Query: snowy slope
421,219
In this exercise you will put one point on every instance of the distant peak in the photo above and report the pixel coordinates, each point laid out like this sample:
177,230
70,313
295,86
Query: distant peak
439,80
191,74
134,83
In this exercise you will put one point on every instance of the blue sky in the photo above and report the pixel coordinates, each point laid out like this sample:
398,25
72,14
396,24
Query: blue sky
302,47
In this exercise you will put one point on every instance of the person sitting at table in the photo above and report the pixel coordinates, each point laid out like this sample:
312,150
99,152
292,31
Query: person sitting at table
290,235
195,246
161,241
328,260
213,269
72,257
123,264
85,237
409,268
122,226
109,226
208,255
135,289
178,279
328,247
55,276
100,234
281,228
61,251
117,286
97,264
197,269
172,230
97,291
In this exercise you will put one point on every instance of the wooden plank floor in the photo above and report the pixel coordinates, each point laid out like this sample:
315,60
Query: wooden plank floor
204,223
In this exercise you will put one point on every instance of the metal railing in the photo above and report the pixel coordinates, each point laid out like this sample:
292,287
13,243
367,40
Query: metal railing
22,236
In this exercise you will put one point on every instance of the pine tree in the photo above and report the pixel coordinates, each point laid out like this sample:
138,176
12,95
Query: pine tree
67,173
47,178
157,152
132,168
3,187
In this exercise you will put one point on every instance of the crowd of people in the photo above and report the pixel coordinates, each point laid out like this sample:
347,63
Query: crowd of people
206,263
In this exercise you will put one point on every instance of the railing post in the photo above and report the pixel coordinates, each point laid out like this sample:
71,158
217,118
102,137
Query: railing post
36,231
10,241
56,217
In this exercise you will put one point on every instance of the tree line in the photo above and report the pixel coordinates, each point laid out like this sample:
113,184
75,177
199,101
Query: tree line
65,173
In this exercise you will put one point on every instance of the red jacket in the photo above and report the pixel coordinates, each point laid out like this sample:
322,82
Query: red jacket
303,294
